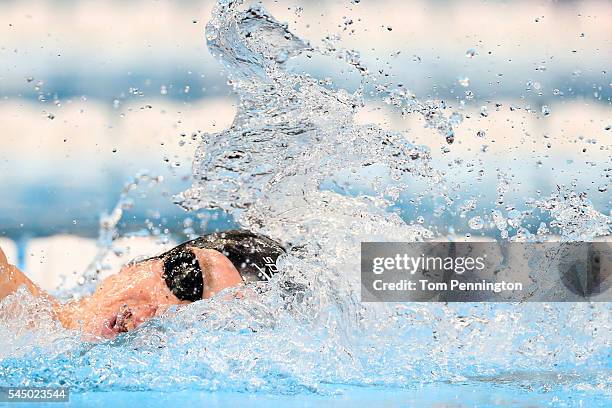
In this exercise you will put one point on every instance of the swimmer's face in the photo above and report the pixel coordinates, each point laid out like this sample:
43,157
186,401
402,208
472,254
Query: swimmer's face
141,291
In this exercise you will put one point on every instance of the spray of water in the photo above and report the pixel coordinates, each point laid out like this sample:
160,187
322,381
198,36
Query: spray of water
273,170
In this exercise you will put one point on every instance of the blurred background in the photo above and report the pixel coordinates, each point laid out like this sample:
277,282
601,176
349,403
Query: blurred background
94,94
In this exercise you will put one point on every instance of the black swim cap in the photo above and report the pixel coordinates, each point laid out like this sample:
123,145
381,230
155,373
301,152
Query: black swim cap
253,255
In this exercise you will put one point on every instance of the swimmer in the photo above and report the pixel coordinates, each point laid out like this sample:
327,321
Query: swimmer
192,271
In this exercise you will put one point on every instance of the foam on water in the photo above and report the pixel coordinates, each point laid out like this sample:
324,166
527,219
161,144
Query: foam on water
292,139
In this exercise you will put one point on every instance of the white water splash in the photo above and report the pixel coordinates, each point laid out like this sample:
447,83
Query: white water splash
291,139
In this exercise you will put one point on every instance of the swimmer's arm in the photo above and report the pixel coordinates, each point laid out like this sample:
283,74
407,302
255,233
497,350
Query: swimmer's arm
12,279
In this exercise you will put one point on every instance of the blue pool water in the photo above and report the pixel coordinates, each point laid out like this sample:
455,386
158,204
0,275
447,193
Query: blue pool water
466,394
296,166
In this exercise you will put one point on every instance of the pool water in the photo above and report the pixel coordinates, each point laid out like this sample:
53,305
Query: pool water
465,394
296,165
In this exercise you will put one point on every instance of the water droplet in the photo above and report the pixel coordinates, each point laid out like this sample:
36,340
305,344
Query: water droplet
543,229
163,90
469,95
481,133
471,53
282,56
514,218
476,223
484,111
456,118
602,189
545,110
464,81
450,137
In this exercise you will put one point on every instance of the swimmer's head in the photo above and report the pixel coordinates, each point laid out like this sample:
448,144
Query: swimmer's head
194,270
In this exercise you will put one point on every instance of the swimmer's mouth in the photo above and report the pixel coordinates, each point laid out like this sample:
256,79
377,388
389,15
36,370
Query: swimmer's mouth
122,322
127,319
